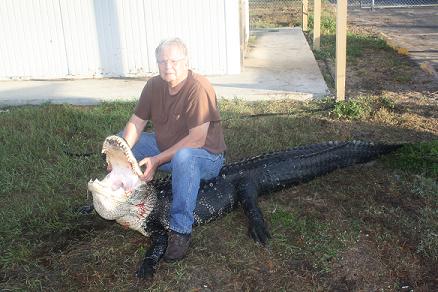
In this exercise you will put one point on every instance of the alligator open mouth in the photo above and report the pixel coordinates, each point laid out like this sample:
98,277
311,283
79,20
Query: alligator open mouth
118,196
125,170
119,155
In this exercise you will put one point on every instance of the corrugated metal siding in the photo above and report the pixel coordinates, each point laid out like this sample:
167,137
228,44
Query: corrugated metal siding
32,42
93,38
80,37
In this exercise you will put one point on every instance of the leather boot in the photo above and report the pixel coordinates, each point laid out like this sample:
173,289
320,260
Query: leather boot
177,246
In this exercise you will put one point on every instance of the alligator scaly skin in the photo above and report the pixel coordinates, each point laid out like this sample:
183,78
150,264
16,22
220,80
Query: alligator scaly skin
242,182
267,173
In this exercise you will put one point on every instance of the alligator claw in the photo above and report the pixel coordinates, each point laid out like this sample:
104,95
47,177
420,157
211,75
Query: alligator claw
259,232
257,227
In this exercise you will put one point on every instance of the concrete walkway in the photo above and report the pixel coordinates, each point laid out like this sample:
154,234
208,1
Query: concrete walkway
280,65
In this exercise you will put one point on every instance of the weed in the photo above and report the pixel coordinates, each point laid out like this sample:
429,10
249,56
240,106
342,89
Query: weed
350,110
362,107
386,102
328,23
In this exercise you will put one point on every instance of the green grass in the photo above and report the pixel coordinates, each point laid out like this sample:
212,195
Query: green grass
43,184
420,158
357,43
308,238
416,226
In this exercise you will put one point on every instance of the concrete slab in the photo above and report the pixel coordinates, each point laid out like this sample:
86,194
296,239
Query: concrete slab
280,65
78,92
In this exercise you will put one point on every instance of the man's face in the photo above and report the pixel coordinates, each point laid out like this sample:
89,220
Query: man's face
172,65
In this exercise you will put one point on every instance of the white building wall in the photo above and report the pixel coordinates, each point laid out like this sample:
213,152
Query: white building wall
114,38
31,39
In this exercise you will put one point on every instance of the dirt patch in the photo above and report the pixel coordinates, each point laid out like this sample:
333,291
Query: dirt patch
411,31
377,71
360,267
262,15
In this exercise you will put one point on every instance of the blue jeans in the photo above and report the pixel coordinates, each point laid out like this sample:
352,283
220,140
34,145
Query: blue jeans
188,166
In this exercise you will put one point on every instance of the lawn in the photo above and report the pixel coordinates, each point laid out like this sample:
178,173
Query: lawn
364,228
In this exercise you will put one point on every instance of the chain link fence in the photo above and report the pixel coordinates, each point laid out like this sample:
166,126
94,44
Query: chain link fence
274,13
388,3
282,13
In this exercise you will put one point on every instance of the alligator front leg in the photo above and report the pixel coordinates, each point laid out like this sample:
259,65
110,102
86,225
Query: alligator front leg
153,255
86,210
247,196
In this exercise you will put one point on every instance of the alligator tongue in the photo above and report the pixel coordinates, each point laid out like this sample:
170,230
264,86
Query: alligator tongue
121,177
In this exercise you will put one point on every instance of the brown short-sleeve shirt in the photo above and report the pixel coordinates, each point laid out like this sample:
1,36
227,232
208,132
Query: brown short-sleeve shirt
174,115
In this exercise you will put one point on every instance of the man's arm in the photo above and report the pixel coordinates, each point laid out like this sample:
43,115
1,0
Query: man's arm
195,139
133,129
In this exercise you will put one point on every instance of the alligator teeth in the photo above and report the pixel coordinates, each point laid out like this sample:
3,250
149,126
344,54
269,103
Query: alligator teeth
118,142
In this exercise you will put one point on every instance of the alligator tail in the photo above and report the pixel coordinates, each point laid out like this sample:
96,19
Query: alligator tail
301,164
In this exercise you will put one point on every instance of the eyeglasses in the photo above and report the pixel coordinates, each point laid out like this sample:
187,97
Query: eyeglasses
172,63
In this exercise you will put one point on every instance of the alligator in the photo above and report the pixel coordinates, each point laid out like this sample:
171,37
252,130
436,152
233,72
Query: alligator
145,207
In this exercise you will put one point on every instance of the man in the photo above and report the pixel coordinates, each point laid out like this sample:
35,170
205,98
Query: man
188,139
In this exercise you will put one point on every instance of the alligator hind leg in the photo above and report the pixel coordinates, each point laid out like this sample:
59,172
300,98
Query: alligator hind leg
247,196
153,255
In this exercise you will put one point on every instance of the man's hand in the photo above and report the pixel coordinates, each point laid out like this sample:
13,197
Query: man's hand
151,164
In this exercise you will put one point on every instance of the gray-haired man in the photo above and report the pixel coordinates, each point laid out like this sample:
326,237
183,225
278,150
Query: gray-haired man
188,140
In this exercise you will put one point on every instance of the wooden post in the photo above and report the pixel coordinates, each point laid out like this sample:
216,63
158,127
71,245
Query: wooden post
341,48
244,28
305,14
317,24
242,31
